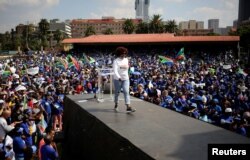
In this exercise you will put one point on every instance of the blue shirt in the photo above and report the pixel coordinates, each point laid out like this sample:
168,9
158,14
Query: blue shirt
46,105
19,146
48,153
28,139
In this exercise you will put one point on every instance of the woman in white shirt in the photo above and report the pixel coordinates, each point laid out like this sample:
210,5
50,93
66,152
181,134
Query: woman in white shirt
121,78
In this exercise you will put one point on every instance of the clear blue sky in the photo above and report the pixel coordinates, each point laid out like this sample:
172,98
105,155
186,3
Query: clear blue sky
13,12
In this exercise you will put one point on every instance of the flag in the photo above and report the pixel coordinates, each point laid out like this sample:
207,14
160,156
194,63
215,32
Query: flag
70,65
91,60
88,59
241,71
59,65
6,73
181,55
75,62
42,125
63,62
167,60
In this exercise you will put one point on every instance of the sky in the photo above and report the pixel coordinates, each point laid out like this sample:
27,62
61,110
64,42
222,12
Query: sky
14,12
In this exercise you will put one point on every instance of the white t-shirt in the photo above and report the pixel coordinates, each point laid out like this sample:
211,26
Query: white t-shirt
121,67
4,127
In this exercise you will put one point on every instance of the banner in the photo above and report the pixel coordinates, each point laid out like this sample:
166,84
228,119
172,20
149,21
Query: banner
33,71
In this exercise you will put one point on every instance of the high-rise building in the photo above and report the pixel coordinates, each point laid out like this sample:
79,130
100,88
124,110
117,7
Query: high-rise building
213,24
235,23
183,25
244,11
141,8
200,25
191,24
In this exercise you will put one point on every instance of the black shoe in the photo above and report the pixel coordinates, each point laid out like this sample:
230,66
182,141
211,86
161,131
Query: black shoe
130,109
116,108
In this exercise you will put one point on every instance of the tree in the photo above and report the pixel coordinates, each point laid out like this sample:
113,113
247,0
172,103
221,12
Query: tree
6,41
58,35
156,24
43,26
17,41
171,26
142,27
244,32
43,29
89,31
108,31
128,26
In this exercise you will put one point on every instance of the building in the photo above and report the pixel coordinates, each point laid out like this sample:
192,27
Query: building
191,24
213,24
244,11
79,26
224,31
235,24
62,26
183,25
200,25
142,9
195,32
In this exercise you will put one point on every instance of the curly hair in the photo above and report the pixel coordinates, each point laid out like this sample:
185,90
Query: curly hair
120,51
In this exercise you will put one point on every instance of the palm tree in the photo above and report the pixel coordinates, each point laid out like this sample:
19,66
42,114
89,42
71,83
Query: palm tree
108,31
156,24
89,31
128,26
171,26
142,27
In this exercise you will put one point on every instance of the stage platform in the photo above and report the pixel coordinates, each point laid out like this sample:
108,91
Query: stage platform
94,131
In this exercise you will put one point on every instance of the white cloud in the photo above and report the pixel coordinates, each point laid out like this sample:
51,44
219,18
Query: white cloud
31,3
226,15
155,11
13,12
115,8
116,2
230,4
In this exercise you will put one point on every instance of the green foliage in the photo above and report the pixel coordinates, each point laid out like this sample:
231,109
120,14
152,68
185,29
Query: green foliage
244,32
156,25
142,27
108,31
128,26
58,35
43,26
171,26
89,31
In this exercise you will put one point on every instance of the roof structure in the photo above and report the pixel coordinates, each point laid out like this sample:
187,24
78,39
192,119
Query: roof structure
148,38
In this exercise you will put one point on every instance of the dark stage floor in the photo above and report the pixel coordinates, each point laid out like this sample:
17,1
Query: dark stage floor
160,133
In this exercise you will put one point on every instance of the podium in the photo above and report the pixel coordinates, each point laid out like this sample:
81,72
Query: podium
102,85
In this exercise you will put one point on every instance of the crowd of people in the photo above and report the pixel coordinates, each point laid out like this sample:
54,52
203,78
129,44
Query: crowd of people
33,89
